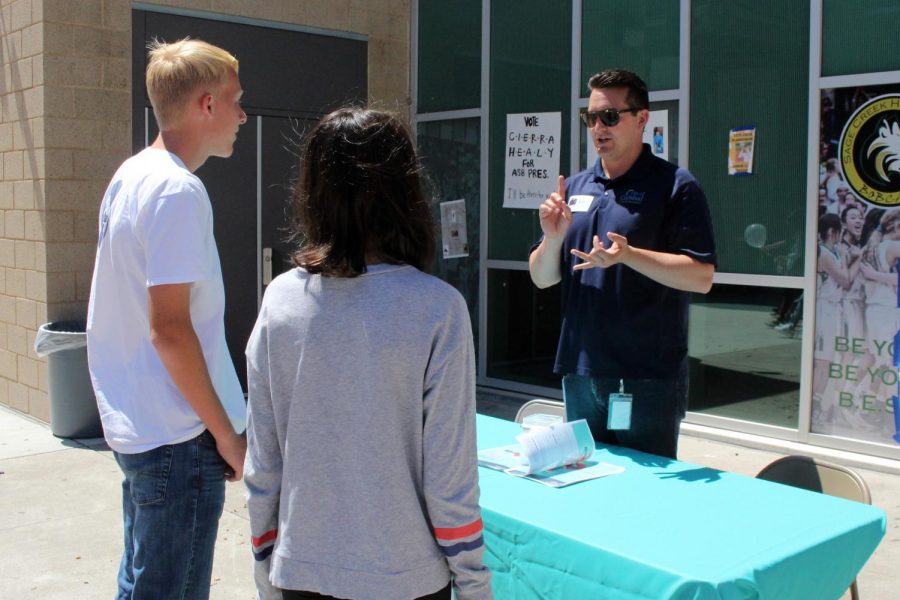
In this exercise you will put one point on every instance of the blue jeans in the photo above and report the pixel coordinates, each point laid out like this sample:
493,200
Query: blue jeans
172,498
657,408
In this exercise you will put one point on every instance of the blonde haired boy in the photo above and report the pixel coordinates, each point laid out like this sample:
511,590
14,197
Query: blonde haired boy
171,404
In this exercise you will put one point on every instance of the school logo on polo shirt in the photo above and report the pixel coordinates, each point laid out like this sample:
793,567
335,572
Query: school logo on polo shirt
631,197
870,151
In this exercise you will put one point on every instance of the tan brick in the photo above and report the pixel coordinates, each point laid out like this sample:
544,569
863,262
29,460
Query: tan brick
33,165
69,70
102,104
6,194
60,225
36,286
39,405
15,282
6,136
18,395
40,312
43,376
61,287
70,256
84,196
117,14
7,253
26,313
70,133
32,102
14,224
22,135
4,391
116,138
28,372
83,286
12,165
8,367
67,11
2,287
20,14
34,225
86,227
12,44
58,163
23,194
40,256
57,39
96,42
94,163
7,309
37,70
117,75
65,311
33,40
21,75
59,101
16,339
25,255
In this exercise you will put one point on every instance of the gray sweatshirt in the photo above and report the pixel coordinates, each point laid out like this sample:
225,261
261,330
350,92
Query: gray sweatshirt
361,464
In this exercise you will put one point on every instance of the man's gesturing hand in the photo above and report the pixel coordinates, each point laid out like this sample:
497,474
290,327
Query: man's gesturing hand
603,257
555,214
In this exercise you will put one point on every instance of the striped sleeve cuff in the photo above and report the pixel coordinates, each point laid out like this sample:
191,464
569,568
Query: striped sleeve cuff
263,545
454,540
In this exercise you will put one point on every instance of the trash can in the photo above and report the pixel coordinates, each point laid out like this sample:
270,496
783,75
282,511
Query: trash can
73,408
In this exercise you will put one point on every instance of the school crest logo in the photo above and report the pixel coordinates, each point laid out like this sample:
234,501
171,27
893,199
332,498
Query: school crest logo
870,151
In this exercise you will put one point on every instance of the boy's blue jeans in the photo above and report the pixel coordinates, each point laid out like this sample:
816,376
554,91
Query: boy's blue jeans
172,498
658,406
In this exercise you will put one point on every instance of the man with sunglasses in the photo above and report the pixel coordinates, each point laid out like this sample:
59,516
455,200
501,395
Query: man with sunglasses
628,240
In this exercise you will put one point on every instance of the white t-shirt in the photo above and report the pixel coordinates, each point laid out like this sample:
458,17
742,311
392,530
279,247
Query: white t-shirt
156,227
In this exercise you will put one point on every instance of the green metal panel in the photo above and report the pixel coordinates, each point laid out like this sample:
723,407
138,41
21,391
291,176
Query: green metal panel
449,67
749,67
531,58
860,36
638,35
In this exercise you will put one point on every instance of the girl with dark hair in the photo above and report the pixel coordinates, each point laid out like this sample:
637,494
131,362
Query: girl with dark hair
361,463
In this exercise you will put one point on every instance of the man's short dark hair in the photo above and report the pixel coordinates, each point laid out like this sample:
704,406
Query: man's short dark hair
360,194
638,97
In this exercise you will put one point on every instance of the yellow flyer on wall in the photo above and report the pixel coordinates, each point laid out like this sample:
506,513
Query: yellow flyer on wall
740,150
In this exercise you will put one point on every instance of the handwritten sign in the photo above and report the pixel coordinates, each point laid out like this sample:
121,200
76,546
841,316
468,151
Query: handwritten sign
532,158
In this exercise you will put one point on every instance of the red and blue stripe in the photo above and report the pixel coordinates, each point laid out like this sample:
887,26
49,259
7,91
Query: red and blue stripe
454,540
263,545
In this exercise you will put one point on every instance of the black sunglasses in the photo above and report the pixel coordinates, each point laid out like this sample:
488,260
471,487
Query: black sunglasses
608,116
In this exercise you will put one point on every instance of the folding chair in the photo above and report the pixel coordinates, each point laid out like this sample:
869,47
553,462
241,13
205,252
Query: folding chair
819,476
539,406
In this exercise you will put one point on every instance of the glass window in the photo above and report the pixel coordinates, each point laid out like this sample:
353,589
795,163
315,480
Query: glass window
860,36
744,349
523,329
750,68
451,154
638,35
531,61
449,68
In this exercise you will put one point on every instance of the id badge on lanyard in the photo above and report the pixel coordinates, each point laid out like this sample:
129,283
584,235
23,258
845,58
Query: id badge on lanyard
619,414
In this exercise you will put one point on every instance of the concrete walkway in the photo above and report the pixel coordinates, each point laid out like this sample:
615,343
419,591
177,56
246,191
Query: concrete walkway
60,516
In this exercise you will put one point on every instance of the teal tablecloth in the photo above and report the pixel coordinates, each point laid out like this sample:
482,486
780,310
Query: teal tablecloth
667,529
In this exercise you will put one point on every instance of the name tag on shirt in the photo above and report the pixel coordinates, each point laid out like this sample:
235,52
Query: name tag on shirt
580,202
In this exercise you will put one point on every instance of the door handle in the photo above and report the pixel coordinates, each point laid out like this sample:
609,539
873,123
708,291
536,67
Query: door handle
267,266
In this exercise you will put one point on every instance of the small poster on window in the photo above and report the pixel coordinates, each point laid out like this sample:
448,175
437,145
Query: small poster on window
532,158
454,239
741,141
656,134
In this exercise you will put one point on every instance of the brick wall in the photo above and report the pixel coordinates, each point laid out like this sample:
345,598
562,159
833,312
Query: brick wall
65,125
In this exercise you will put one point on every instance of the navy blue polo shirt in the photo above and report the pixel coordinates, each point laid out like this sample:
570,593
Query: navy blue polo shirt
615,321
